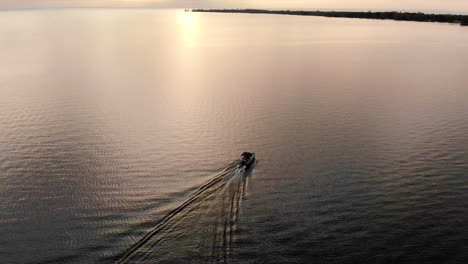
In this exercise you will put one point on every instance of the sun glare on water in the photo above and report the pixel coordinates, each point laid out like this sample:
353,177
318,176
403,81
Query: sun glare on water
188,28
188,18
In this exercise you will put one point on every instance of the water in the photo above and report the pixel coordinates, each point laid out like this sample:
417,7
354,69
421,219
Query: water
119,128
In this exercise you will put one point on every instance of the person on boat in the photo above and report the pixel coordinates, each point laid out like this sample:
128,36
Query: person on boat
245,158
246,155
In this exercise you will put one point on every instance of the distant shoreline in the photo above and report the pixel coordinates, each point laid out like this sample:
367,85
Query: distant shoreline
398,16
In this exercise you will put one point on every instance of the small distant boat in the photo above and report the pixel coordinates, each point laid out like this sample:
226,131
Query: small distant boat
246,160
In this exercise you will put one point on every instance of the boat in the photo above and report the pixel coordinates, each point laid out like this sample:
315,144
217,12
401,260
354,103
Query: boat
246,160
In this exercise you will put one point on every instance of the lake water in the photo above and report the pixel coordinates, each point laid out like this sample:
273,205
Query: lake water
119,129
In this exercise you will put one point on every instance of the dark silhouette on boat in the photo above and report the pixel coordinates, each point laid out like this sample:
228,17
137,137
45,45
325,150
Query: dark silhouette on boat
246,160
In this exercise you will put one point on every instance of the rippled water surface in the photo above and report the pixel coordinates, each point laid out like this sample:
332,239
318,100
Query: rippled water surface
119,129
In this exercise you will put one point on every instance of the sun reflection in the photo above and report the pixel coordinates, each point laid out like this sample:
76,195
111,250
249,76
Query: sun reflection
188,18
188,25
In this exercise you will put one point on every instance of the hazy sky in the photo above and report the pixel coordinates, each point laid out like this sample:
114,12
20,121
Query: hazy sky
456,6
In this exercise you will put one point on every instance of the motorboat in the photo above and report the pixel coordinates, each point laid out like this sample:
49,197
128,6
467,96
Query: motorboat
246,160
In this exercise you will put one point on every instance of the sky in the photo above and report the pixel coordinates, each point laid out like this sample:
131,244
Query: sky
452,6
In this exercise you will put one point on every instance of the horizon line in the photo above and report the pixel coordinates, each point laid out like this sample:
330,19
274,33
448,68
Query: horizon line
441,12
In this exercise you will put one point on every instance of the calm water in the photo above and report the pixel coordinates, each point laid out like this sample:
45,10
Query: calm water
118,125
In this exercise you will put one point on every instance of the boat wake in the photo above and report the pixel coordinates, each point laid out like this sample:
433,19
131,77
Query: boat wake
200,230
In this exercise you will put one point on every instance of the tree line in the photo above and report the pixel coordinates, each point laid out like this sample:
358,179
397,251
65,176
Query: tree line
400,16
